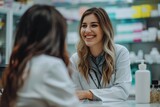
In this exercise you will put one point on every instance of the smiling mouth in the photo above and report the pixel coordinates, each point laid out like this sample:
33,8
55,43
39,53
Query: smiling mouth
89,37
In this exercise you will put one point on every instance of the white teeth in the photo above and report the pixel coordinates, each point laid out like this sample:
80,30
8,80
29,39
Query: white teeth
88,37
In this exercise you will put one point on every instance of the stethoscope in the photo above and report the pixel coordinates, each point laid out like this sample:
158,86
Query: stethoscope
99,83
95,72
98,80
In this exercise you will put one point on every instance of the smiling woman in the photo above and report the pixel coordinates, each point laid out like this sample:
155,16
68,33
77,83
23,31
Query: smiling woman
101,68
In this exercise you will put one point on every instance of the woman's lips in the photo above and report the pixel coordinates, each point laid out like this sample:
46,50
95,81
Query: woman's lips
89,37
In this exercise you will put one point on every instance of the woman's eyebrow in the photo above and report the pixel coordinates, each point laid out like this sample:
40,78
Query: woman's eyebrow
94,22
91,22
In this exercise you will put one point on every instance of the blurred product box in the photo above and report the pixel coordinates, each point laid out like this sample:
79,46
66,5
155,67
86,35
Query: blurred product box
142,11
146,10
124,13
137,11
129,27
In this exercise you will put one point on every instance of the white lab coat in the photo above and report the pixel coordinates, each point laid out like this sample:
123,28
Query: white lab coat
120,83
47,85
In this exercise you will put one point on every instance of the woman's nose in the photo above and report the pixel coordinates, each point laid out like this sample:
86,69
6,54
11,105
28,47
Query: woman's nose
88,29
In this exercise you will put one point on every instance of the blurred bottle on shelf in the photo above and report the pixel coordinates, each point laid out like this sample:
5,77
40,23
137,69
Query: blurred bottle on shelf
142,84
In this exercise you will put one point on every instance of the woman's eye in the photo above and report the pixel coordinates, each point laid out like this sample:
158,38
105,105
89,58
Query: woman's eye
94,25
83,26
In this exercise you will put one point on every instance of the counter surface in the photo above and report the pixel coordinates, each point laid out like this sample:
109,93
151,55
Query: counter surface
128,103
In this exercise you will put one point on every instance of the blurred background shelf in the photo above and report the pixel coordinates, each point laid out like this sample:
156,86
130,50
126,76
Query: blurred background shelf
145,18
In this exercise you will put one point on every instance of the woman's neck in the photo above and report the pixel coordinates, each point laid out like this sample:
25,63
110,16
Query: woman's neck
96,51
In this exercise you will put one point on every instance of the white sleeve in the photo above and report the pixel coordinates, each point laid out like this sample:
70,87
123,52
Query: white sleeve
122,84
57,87
75,73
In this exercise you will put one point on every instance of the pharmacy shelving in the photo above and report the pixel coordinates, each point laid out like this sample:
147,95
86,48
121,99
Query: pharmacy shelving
5,35
134,44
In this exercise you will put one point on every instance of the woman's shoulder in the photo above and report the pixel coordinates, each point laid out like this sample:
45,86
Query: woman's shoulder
74,56
120,48
46,61
48,64
74,60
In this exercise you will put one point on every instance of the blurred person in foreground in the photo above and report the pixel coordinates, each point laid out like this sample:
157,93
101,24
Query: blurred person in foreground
101,67
37,74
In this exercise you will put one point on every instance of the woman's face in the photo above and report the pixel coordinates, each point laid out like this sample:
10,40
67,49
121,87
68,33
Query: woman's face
91,31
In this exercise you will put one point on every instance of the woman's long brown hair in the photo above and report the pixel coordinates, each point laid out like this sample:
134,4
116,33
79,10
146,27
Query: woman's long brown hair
41,30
